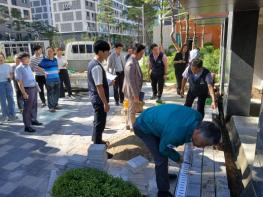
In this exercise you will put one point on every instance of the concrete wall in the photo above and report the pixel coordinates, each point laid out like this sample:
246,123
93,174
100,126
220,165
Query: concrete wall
166,35
258,67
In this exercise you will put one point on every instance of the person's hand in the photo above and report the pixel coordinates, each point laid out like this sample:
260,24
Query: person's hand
25,96
213,105
106,107
182,93
113,82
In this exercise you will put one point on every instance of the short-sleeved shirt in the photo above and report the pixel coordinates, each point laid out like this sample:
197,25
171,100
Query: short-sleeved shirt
51,69
25,74
34,62
62,62
5,72
208,78
97,75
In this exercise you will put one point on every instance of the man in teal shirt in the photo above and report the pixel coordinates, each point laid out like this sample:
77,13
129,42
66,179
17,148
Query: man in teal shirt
163,127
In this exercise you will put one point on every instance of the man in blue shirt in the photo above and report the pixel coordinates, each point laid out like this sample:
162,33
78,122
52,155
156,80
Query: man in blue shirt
29,89
50,65
163,127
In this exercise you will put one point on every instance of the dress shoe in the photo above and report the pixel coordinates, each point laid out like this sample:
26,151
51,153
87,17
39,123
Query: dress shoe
29,130
37,123
52,110
164,194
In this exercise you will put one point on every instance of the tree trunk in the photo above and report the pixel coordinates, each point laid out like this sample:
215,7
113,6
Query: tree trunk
203,36
181,32
173,6
109,40
187,28
161,30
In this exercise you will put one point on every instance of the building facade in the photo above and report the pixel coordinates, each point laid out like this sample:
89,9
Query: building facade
41,11
76,16
14,9
21,6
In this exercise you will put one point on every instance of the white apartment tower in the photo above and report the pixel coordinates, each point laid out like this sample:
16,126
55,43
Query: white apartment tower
41,11
71,16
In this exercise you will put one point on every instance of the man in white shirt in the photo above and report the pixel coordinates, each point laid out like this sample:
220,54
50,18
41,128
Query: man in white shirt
99,90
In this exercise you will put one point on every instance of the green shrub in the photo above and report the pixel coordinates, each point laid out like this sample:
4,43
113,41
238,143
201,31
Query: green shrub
9,59
92,183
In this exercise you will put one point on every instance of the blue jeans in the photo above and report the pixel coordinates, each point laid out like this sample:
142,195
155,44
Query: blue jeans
53,92
7,100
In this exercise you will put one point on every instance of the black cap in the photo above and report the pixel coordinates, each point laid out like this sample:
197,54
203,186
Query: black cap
22,55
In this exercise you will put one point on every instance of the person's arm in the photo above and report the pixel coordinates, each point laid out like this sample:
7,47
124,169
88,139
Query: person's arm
212,94
134,89
109,65
184,80
101,92
98,79
22,89
167,148
165,62
39,69
149,66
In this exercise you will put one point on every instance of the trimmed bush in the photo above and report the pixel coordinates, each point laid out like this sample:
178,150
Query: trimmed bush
88,182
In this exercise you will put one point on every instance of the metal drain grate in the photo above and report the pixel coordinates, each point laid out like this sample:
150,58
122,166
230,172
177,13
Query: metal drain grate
184,171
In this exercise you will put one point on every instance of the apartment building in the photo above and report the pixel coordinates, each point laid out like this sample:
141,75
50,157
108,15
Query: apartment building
41,11
73,16
21,6
13,9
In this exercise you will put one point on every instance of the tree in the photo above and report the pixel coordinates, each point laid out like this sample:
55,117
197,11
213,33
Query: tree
106,15
173,7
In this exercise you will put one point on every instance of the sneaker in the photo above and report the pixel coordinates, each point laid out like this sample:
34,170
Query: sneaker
29,130
14,118
36,123
153,97
71,97
117,103
43,105
52,110
3,119
159,100
58,108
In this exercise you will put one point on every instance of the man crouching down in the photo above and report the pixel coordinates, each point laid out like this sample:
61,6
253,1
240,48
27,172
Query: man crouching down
165,126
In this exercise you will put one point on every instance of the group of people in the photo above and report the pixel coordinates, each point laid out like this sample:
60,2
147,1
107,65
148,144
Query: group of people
161,128
31,76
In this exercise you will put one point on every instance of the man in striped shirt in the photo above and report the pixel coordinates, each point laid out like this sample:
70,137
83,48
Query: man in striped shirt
40,77
50,65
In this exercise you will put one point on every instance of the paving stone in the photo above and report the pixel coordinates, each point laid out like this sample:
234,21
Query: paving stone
137,163
4,141
7,188
2,154
193,190
6,148
28,145
11,166
26,161
16,175
61,163
24,191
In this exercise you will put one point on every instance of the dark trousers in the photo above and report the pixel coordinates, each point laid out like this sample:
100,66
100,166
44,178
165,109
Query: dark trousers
41,80
64,80
53,90
99,123
200,102
179,69
30,107
19,96
117,88
157,85
161,162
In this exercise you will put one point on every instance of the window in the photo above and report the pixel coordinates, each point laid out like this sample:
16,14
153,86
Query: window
24,1
75,48
26,14
82,48
14,2
66,6
89,48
